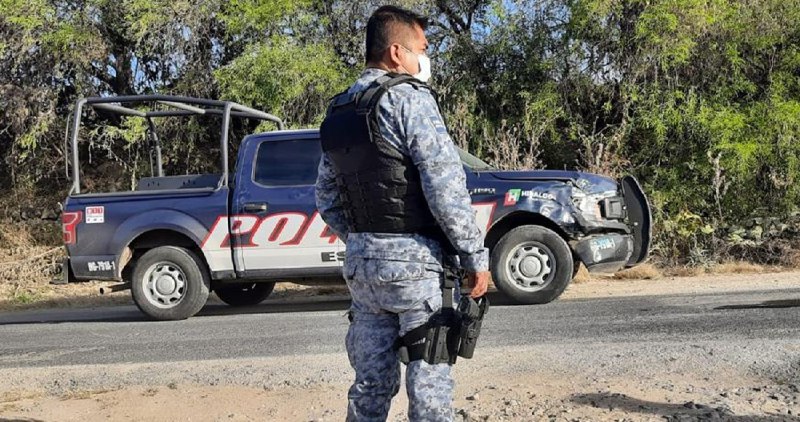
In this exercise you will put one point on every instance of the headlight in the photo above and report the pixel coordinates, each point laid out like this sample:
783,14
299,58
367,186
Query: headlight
598,206
613,208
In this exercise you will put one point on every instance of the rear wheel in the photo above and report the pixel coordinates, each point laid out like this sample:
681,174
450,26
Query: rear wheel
244,294
170,283
532,264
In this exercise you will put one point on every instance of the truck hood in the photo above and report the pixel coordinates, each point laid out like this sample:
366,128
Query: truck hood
588,182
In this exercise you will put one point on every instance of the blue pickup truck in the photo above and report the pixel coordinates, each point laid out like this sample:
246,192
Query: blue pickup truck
173,240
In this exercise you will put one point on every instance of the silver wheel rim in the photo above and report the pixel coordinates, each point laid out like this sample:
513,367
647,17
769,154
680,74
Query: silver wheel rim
164,285
530,266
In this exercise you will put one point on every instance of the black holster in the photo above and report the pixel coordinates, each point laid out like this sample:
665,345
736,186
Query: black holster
471,312
450,332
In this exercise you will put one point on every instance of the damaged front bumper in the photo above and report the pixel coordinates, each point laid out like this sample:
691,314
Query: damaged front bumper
611,252
605,253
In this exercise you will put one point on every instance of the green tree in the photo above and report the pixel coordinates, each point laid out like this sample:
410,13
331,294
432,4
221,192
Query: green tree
698,98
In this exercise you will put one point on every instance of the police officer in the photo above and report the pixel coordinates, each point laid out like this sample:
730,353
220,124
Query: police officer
392,186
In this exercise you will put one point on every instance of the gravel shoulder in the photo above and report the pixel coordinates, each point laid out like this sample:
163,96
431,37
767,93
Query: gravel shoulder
714,375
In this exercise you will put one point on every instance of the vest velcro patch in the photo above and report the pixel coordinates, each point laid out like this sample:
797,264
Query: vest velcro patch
438,124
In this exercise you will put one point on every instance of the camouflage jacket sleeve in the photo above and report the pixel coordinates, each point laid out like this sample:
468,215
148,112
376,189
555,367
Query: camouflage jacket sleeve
327,198
443,178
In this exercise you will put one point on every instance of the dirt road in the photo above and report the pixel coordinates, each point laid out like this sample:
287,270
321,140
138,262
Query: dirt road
704,348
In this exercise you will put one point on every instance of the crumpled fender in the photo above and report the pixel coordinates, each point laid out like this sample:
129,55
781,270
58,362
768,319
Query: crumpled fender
553,201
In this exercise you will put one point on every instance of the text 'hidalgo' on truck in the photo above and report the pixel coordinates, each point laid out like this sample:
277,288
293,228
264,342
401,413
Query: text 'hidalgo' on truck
174,239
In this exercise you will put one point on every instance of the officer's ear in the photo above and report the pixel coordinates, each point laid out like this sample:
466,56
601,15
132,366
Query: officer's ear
395,54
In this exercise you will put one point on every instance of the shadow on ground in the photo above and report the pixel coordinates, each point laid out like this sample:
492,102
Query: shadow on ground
107,312
786,303
670,411
20,420
131,314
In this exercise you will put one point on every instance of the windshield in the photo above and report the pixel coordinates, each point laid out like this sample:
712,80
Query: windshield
473,162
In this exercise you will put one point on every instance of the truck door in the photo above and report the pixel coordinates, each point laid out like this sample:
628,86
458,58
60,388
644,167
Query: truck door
274,214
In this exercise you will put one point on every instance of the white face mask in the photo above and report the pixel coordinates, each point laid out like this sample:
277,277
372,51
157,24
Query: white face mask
424,66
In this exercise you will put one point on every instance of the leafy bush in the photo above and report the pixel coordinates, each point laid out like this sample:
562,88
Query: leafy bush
700,99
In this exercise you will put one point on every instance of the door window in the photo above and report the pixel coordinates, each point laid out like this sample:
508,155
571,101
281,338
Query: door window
287,163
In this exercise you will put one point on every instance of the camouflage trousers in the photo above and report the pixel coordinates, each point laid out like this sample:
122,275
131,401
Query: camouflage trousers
390,298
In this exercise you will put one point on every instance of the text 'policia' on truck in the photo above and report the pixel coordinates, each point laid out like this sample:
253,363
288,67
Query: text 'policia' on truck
175,239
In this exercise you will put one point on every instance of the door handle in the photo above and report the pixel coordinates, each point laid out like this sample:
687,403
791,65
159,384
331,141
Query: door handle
255,207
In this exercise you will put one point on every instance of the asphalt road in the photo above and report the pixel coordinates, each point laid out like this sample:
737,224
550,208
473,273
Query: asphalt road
317,326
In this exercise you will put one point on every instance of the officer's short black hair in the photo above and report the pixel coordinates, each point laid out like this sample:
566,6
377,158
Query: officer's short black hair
380,28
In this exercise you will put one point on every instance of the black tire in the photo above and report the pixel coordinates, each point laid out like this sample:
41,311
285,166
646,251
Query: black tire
170,283
532,265
244,294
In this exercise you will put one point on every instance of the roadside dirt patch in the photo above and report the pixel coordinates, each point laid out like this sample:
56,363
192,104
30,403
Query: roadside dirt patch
612,287
586,379
543,396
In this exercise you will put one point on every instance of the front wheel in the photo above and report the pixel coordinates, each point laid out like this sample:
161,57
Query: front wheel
170,283
532,265
244,294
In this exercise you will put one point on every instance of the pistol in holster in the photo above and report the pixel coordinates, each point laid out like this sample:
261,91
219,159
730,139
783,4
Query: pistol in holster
449,333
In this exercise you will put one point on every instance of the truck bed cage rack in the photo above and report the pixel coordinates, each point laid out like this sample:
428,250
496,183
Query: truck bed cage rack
176,106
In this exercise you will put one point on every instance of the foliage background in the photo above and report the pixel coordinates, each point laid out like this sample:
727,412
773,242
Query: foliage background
700,99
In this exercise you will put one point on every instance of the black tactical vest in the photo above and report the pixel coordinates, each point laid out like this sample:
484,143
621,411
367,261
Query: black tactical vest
380,186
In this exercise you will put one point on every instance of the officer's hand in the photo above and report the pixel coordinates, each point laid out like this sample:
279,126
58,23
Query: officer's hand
479,283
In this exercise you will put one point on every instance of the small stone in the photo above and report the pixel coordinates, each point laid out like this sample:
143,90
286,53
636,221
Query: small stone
463,415
473,397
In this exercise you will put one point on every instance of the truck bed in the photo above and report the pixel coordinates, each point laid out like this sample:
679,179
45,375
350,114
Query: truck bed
189,181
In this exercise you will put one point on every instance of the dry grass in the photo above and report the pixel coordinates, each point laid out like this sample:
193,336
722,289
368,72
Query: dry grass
737,267
652,272
82,394
684,271
9,400
12,237
26,271
75,295
582,276
8,408
793,259
640,272
727,267
12,396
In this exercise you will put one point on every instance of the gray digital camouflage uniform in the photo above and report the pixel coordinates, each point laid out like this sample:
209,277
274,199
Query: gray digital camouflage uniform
394,279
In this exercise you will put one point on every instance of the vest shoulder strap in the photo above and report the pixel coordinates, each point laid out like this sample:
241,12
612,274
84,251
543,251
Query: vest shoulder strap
369,99
340,99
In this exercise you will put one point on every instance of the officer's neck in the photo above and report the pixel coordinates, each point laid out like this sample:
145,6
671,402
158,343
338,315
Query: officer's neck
384,66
